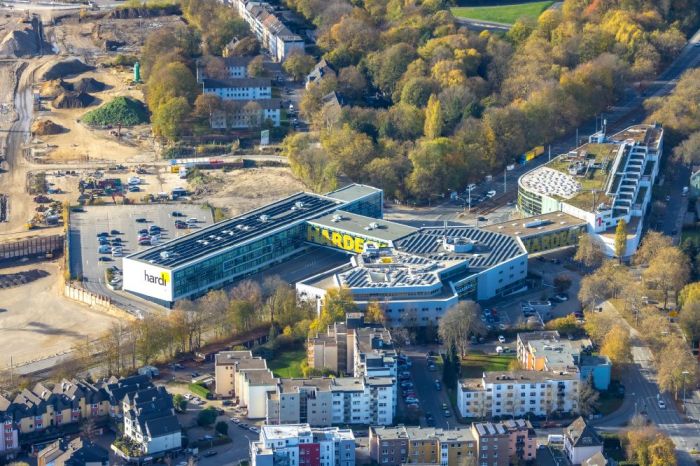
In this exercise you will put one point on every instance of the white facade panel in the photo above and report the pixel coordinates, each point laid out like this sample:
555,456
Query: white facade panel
147,279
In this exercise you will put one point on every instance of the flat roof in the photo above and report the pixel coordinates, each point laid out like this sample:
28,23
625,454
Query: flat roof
536,225
353,192
232,232
360,225
489,247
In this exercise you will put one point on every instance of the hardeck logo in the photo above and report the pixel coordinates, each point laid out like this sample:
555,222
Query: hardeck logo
162,280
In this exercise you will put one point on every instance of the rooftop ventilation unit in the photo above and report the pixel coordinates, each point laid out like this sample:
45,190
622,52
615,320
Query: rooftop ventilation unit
264,218
336,218
240,227
164,255
299,205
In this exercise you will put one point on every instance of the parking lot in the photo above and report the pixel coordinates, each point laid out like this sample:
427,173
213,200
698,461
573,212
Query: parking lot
121,222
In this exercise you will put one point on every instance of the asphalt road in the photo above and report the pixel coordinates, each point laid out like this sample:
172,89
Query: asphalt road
431,400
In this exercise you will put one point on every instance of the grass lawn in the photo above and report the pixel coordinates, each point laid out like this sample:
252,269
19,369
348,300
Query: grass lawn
287,364
608,404
502,13
475,364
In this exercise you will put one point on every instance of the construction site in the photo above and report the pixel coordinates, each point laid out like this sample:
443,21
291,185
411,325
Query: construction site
58,63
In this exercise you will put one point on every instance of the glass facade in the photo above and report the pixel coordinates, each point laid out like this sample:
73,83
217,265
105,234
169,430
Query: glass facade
240,261
529,203
370,206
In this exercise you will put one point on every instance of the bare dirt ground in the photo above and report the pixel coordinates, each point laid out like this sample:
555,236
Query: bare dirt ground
39,322
242,190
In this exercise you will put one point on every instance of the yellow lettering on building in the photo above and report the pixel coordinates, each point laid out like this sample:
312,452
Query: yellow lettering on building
344,241
553,240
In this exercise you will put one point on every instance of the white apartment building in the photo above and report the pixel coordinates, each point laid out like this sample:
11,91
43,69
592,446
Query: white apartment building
267,27
240,375
239,89
324,401
300,444
249,114
516,393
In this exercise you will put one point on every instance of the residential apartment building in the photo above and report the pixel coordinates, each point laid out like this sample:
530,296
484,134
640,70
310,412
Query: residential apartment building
239,88
581,441
499,443
517,393
324,401
248,114
150,421
302,445
240,375
394,446
546,351
273,35
354,349
9,440
77,452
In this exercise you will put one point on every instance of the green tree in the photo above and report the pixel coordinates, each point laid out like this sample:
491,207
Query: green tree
620,239
433,118
298,65
170,118
180,403
418,90
222,428
207,417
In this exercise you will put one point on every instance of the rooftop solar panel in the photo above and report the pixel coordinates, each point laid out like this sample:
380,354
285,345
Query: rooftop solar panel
236,230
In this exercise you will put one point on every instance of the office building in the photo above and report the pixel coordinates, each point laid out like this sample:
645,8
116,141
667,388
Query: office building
608,179
248,89
517,393
302,445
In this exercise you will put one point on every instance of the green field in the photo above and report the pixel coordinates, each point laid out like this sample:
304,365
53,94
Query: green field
475,364
507,14
288,364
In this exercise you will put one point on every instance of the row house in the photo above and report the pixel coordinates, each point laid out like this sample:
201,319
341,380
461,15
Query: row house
395,446
518,393
272,33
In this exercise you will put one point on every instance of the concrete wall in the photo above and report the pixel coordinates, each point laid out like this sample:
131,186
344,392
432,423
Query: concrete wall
87,297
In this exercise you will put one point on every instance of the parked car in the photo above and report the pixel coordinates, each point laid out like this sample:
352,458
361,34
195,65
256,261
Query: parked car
115,232
104,259
176,213
141,220
102,234
501,339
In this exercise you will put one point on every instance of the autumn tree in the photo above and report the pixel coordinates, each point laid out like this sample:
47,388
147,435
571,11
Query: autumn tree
616,345
336,304
689,150
256,67
459,323
298,65
433,118
690,319
620,239
374,313
676,366
588,397
562,282
170,118
668,278
564,325
589,251
653,242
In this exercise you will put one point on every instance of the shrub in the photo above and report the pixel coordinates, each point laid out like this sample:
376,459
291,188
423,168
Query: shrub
222,427
206,417
123,111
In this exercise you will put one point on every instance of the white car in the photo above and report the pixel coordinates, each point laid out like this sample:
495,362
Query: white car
491,194
499,349
501,339
662,404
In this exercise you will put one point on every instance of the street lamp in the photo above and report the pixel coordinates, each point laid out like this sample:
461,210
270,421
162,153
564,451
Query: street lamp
684,373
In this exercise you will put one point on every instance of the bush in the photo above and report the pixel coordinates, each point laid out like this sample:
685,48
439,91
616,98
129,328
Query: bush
124,60
174,152
123,111
206,417
180,403
222,427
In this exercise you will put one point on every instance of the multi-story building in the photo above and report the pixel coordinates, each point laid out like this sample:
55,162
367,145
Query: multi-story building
250,89
9,440
248,114
581,441
354,349
267,27
324,401
191,265
546,351
606,180
302,445
150,421
320,71
77,452
517,393
499,443
395,446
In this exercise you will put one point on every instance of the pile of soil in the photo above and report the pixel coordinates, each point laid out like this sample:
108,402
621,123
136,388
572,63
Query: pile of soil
20,43
55,87
67,67
88,85
44,127
72,100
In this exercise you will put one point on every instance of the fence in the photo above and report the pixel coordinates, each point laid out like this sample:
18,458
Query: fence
87,297
36,246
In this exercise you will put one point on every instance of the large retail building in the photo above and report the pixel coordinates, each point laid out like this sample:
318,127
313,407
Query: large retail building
606,180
